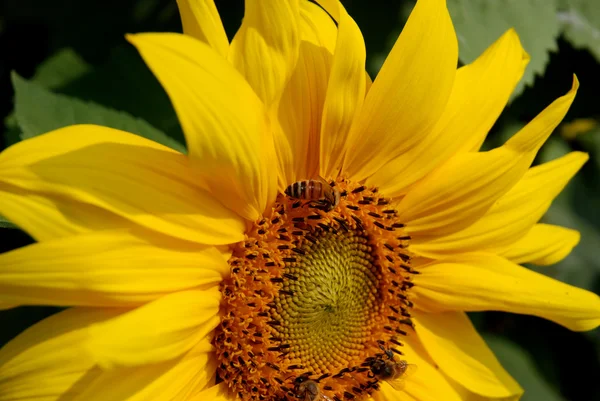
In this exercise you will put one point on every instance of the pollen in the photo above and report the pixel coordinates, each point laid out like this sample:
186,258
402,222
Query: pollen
315,294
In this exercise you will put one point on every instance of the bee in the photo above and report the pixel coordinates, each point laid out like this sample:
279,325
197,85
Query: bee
308,390
391,371
317,191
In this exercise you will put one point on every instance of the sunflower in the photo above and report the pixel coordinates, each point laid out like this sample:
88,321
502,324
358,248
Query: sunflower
322,240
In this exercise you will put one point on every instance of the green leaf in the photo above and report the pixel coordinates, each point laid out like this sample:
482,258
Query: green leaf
121,82
38,111
516,361
12,132
580,21
60,69
479,23
124,82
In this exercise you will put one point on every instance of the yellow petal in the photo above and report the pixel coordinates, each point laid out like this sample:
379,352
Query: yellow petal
127,175
265,48
544,244
427,383
479,94
158,331
108,268
512,216
48,360
218,392
454,345
201,20
223,120
531,137
463,189
45,218
480,281
467,395
368,83
173,380
301,104
459,193
409,94
345,92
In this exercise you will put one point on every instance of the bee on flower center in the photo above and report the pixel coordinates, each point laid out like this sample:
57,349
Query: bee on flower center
308,390
317,192
391,371
277,340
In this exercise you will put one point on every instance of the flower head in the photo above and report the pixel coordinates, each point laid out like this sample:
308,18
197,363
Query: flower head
323,239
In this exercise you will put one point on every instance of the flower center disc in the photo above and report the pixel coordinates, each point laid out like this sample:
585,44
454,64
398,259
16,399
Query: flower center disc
315,294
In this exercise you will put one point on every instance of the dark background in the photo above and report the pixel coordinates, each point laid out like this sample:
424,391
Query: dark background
550,362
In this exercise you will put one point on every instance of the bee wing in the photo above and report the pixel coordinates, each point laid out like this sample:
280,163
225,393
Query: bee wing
411,369
324,181
323,397
397,384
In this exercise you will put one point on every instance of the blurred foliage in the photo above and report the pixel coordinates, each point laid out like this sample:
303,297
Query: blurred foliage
516,361
61,110
580,20
71,64
479,23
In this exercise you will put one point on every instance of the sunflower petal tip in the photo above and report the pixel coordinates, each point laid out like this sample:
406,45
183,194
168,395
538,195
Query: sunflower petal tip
575,83
512,32
512,35
137,39
576,238
584,156
577,158
131,38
